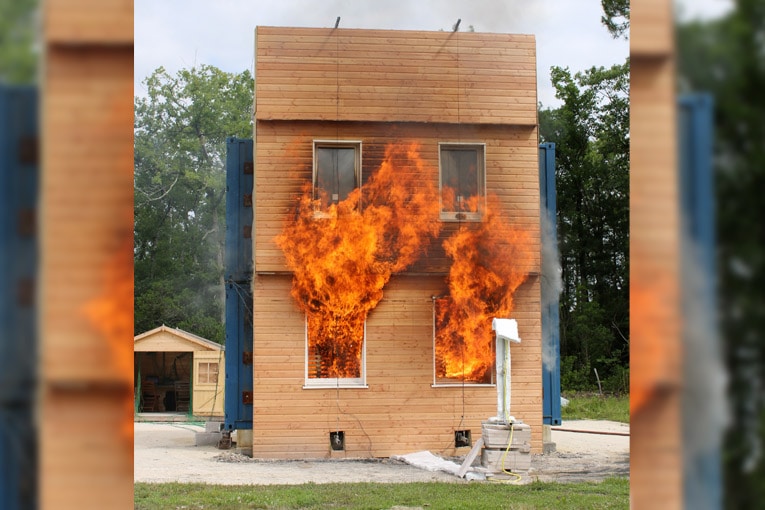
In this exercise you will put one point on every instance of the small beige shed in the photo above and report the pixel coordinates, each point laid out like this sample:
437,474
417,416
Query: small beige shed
178,372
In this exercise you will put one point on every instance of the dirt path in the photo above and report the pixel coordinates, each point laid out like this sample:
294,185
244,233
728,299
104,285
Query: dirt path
585,457
165,452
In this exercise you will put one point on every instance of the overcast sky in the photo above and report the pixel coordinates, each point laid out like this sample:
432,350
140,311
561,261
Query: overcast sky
180,34
177,34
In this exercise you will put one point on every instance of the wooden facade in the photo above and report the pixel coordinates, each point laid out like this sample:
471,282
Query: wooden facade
379,87
84,293
656,314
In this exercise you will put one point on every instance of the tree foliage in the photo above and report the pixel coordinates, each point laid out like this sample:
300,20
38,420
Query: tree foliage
616,17
724,57
18,32
180,131
591,133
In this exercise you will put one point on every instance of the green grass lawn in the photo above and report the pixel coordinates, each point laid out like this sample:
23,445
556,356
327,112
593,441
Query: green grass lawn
612,493
596,407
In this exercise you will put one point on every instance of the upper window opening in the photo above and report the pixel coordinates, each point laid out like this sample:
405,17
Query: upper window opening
462,181
336,171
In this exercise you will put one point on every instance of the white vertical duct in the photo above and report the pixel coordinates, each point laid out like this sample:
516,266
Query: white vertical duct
506,332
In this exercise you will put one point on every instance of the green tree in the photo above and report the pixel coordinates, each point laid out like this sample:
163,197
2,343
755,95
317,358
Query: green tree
180,131
18,32
616,17
591,132
724,57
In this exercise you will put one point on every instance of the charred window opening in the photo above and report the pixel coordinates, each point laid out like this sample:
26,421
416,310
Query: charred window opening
336,171
335,351
461,355
462,181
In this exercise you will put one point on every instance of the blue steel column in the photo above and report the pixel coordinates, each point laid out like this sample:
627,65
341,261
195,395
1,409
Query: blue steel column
238,276
702,458
18,266
550,291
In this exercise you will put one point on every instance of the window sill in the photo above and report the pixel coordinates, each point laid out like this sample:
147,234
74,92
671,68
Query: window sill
458,217
331,385
460,385
320,214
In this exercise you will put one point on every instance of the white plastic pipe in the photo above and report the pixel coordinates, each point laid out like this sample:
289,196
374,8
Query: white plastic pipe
506,332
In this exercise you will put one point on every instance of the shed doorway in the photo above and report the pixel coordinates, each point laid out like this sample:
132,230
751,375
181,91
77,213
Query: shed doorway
163,381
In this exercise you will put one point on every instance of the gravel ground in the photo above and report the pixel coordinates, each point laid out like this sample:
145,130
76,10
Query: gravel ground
165,452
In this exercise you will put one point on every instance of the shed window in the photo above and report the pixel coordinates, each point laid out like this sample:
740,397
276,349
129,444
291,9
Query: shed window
335,353
336,170
460,358
207,373
462,181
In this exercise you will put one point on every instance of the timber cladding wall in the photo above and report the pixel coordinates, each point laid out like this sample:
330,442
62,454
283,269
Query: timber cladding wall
400,411
283,161
342,74
85,291
376,88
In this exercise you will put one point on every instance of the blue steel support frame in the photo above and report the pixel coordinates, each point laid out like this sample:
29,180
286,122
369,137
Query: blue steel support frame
550,292
702,475
18,265
238,406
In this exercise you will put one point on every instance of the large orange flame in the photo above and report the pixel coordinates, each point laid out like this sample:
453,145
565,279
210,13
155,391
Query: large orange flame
488,260
343,256
111,314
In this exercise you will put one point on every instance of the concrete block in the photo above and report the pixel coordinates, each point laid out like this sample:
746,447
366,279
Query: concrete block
497,435
515,461
207,438
549,448
213,426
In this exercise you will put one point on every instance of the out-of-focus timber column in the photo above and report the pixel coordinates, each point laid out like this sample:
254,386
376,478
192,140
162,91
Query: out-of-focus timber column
85,287
655,358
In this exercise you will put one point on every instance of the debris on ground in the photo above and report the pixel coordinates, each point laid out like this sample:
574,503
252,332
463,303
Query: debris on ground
232,457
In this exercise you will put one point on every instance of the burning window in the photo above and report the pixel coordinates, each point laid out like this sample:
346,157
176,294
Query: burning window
463,350
207,373
335,350
462,181
336,170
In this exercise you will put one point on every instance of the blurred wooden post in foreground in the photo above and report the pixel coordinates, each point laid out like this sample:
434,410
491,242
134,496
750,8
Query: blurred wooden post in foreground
85,272
656,476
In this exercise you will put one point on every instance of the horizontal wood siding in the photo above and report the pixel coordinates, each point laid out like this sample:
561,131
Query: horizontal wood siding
385,75
283,165
84,284
88,22
400,411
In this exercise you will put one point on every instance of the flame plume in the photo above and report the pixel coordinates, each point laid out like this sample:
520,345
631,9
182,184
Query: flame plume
488,261
344,255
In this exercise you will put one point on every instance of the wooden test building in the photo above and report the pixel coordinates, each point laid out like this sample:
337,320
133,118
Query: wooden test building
350,91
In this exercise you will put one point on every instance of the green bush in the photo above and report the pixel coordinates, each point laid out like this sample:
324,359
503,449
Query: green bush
573,375
582,406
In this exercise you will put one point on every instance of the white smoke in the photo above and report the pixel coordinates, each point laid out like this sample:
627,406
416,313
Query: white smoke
552,285
704,406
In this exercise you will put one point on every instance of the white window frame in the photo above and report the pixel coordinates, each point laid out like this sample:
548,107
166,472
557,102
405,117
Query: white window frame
456,216
338,144
199,372
336,382
452,384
